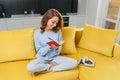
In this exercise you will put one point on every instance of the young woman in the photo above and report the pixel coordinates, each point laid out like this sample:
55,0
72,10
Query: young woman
48,58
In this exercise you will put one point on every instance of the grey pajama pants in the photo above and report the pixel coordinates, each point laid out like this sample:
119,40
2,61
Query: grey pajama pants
64,63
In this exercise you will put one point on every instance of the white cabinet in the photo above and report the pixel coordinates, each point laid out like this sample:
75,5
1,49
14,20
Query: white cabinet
112,14
23,22
111,19
14,24
32,22
3,25
26,22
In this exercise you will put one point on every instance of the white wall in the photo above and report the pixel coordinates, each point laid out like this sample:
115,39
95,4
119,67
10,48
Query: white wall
101,12
80,19
96,10
82,7
91,12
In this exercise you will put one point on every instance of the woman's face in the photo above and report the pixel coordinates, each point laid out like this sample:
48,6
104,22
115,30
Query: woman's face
52,22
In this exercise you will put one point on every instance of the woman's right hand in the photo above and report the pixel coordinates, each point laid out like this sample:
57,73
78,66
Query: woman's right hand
54,47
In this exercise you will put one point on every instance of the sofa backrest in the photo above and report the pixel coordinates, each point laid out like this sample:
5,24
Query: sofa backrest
103,43
17,45
78,35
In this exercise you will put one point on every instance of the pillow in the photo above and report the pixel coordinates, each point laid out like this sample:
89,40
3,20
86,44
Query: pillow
16,45
68,35
116,51
98,39
78,35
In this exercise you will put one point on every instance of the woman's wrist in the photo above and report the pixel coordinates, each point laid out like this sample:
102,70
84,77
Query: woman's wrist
56,48
49,47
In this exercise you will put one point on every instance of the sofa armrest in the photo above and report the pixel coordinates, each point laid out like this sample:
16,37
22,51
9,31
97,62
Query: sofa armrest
116,51
78,35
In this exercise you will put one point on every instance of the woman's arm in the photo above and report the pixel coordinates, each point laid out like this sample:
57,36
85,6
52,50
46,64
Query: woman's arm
59,40
41,50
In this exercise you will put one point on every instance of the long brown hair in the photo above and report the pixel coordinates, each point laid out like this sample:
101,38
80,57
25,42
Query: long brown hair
48,15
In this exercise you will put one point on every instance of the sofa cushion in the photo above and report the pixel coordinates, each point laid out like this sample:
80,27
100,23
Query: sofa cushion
68,35
15,71
106,68
61,75
98,39
16,45
78,35
116,51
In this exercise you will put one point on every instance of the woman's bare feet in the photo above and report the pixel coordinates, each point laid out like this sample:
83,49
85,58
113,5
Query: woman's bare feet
46,71
53,63
41,72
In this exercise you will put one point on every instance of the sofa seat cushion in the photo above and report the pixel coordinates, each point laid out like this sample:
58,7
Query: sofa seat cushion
62,75
106,68
14,71
74,56
16,45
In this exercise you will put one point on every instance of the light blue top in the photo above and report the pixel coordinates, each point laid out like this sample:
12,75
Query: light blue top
43,50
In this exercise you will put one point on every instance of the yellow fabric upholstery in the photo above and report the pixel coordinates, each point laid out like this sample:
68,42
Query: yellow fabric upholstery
116,52
98,39
13,67
14,71
106,68
68,35
16,45
62,75
78,35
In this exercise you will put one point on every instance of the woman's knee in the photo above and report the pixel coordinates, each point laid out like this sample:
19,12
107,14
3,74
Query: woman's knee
30,68
73,63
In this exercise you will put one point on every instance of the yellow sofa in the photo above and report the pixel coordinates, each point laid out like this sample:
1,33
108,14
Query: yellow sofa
17,49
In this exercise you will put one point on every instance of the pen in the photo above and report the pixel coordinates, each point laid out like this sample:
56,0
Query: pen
50,38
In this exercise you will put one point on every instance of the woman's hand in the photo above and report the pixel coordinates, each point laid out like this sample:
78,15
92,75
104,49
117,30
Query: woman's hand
54,47
53,63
